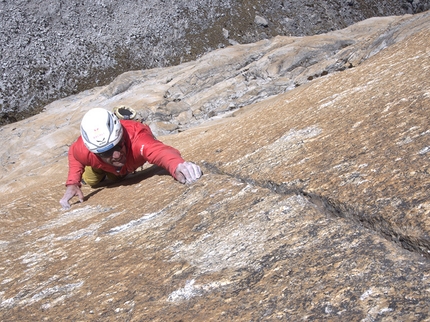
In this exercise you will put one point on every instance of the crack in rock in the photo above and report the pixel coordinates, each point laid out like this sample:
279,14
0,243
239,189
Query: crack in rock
338,209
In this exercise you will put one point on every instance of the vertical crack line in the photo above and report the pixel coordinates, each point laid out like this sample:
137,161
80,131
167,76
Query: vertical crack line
336,209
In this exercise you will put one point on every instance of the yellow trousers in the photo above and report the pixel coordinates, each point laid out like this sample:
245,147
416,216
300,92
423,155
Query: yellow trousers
94,176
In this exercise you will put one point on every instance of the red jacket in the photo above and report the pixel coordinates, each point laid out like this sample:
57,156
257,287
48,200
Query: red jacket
141,146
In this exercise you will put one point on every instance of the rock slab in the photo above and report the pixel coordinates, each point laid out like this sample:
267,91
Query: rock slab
314,205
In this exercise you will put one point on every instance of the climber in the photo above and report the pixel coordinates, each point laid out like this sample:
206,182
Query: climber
112,148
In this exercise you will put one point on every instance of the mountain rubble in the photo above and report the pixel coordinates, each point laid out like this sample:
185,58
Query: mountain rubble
54,48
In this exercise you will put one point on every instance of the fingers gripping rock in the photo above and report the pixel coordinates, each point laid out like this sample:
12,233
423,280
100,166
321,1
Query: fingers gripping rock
188,172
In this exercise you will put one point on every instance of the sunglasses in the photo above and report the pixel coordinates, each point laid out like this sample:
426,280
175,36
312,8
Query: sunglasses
107,154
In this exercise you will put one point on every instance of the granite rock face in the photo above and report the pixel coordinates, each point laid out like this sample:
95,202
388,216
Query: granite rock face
314,203
172,99
54,48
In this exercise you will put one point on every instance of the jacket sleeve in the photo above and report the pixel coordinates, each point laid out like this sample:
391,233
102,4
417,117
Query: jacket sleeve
157,152
76,168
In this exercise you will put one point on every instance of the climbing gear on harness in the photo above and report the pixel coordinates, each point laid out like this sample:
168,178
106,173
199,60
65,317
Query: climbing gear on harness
124,112
101,130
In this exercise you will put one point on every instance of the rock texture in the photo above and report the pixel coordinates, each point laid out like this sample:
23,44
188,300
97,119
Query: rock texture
314,204
51,49
172,99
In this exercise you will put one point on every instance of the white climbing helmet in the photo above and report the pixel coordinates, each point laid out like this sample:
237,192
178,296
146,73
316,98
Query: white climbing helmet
101,130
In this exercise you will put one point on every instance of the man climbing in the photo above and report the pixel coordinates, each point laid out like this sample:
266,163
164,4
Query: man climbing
113,148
